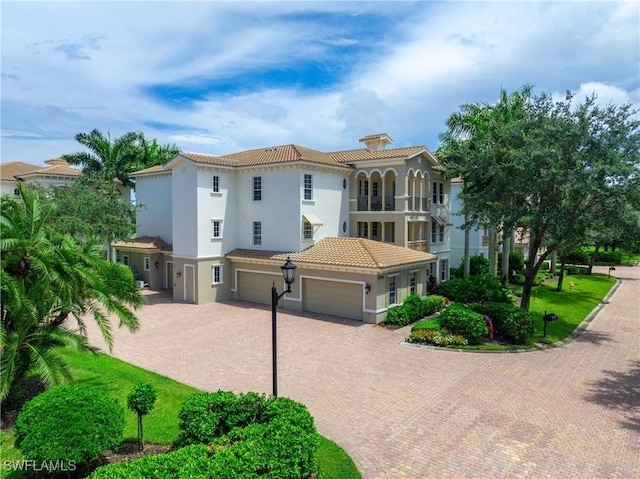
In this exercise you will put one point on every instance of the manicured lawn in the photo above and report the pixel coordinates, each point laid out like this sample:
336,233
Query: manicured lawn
161,425
571,306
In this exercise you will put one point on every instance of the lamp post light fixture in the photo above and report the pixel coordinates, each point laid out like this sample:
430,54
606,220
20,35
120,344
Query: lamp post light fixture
289,275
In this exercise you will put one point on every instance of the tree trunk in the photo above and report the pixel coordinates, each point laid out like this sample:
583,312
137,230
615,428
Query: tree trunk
466,270
140,444
493,255
554,260
531,269
592,260
505,258
560,276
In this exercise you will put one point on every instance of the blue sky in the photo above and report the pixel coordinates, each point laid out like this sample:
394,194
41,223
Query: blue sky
219,77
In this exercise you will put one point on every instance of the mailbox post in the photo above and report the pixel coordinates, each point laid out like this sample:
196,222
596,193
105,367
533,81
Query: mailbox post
547,318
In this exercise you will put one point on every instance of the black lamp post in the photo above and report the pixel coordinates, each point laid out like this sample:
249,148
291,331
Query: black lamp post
289,274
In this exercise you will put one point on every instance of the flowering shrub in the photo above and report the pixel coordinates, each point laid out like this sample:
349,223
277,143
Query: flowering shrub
441,337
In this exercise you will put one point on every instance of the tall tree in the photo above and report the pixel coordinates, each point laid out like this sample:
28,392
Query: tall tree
108,160
552,168
49,286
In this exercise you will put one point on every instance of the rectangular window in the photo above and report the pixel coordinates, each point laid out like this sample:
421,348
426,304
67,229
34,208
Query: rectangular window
441,233
257,233
392,291
308,187
374,188
307,231
363,229
412,283
216,184
257,188
434,234
437,195
125,260
443,269
217,228
434,193
363,187
374,230
216,274
146,264
441,195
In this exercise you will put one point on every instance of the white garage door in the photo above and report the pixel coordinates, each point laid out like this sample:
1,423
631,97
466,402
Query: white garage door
332,297
256,287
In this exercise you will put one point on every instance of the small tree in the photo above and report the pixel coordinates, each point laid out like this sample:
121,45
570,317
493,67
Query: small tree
142,400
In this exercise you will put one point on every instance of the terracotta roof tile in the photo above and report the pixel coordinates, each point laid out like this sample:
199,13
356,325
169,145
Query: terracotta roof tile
363,154
376,136
144,242
12,169
153,169
350,252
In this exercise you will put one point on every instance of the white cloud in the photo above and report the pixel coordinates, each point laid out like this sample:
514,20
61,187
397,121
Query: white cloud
74,66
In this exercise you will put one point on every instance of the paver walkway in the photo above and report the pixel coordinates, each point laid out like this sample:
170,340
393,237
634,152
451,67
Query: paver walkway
407,412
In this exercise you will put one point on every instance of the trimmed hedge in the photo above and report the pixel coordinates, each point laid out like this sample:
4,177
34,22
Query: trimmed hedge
413,308
510,322
247,436
71,425
459,319
475,289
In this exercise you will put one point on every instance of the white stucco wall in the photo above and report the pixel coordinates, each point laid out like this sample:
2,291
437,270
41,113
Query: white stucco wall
184,218
216,206
457,234
154,218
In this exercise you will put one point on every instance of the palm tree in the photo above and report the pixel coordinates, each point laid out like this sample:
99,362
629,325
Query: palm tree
106,159
118,159
49,286
462,126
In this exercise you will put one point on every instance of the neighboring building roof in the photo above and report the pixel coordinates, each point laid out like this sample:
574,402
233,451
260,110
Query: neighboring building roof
16,170
144,242
377,136
457,179
348,252
153,169
11,170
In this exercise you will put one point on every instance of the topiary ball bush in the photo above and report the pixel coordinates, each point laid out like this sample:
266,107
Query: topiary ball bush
71,424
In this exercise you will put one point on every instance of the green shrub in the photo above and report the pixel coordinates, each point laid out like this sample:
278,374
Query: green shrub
70,425
440,337
142,399
459,319
397,316
433,323
412,306
475,289
432,304
516,263
577,256
265,437
478,265
206,416
609,257
510,322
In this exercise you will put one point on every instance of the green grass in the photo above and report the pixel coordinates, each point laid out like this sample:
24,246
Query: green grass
571,306
161,424
433,323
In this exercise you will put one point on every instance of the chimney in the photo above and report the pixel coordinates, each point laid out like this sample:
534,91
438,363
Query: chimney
57,162
376,142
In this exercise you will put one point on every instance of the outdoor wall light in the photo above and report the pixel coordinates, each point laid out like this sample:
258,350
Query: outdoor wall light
367,288
289,275
178,274
157,264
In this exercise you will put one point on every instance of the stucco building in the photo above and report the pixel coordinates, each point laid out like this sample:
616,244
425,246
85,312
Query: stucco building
366,227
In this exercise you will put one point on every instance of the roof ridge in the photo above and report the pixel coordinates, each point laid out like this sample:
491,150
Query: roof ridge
373,257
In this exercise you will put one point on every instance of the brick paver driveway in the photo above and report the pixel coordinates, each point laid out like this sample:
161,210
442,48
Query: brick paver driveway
402,411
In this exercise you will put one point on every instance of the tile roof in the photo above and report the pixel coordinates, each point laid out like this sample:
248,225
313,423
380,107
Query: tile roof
144,242
153,169
12,169
377,136
266,156
363,154
17,169
349,252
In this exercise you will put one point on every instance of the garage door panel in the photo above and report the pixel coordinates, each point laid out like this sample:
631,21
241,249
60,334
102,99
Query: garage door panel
255,287
334,298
